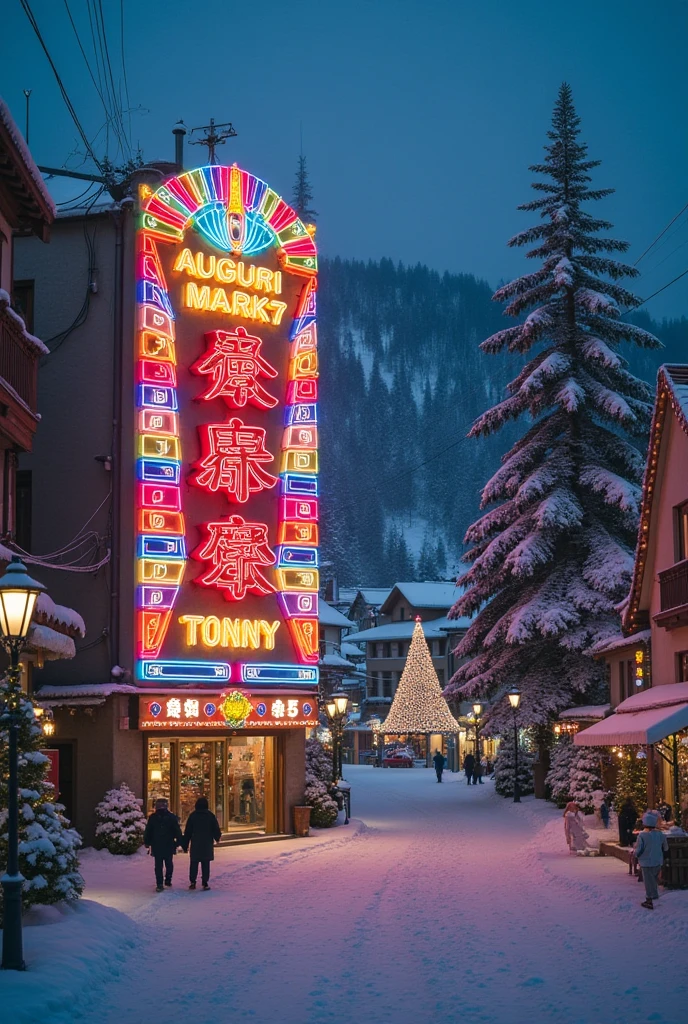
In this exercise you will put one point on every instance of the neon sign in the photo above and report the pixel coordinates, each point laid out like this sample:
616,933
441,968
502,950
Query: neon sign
227,436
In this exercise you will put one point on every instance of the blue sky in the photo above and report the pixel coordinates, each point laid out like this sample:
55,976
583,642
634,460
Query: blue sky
419,118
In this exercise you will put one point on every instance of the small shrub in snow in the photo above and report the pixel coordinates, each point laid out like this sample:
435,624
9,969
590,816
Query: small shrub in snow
47,845
504,768
318,761
121,823
324,809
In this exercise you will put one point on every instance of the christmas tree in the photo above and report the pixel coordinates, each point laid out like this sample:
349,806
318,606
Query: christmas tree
553,555
585,776
418,705
121,823
558,776
504,767
302,195
47,846
631,782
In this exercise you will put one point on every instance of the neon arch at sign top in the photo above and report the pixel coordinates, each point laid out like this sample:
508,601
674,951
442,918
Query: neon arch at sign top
238,214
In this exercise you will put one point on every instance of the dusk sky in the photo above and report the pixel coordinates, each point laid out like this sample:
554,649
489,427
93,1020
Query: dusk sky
420,117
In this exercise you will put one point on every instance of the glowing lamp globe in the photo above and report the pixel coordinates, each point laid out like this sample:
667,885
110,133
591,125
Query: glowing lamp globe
18,594
156,775
515,698
331,709
341,702
477,708
49,727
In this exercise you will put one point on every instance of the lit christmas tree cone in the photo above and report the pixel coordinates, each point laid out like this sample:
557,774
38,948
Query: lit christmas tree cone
418,705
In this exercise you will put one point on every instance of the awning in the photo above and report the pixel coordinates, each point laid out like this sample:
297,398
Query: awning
647,717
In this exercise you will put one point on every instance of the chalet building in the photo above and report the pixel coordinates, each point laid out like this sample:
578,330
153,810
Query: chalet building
337,671
26,210
648,663
387,644
363,604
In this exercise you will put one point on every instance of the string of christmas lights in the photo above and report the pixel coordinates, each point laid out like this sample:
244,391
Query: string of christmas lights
418,705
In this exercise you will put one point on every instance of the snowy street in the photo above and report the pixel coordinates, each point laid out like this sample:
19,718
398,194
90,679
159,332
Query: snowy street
439,903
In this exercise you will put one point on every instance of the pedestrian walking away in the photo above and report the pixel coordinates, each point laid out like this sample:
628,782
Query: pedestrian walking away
200,835
468,766
439,763
161,838
477,772
649,852
628,816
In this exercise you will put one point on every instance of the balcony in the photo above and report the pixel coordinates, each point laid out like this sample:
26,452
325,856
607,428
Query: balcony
18,360
673,596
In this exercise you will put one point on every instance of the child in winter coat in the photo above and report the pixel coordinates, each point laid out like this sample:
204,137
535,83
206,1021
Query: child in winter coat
649,852
576,836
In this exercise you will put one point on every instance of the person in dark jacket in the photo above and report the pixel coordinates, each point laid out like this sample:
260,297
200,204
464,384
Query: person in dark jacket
628,815
468,766
477,772
162,837
201,833
438,761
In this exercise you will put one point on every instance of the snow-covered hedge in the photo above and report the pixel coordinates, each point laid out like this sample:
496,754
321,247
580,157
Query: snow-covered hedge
121,823
324,809
559,775
504,768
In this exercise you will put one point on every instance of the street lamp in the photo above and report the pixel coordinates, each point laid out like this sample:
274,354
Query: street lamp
477,708
18,594
515,700
335,709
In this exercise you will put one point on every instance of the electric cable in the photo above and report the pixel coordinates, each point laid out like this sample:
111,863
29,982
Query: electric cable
83,54
124,66
660,235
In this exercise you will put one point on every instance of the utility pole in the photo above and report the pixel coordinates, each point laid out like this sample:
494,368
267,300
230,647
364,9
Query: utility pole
215,135
27,93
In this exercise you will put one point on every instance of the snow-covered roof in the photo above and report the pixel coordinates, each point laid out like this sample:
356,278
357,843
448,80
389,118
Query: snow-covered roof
616,643
329,616
672,393
588,711
83,694
350,650
46,607
403,630
30,339
336,661
23,178
50,643
425,595
646,717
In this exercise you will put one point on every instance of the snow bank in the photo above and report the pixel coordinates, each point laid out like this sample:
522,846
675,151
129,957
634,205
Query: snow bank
68,952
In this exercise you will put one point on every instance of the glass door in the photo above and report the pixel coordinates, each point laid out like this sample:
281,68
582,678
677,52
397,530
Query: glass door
246,783
195,764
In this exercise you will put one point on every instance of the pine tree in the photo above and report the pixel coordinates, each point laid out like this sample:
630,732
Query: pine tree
121,823
553,556
427,564
47,846
632,779
302,195
585,776
418,706
559,775
504,767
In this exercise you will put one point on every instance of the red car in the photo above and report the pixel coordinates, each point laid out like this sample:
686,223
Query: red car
399,759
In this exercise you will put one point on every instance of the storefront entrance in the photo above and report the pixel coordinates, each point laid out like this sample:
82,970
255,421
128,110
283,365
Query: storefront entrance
234,774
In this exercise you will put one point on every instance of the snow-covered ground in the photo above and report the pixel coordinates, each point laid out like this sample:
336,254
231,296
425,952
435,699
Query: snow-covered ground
440,904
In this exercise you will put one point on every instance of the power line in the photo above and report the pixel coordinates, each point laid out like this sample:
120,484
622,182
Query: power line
124,65
660,235
117,106
662,289
68,103
86,62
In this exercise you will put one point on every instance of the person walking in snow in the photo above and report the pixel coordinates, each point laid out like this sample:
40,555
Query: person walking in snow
649,852
477,772
201,833
576,836
161,838
468,766
628,815
439,761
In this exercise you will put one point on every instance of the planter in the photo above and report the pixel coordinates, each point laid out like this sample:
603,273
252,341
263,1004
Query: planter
302,821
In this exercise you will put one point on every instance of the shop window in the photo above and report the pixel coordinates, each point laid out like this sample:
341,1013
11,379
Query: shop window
246,782
681,532
682,657
159,772
386,684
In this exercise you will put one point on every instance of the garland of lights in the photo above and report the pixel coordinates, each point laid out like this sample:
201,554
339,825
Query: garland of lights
418,705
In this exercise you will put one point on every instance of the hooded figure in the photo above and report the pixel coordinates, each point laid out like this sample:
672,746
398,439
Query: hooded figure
201,833
162,837
468,766
628,816
649,852
438,761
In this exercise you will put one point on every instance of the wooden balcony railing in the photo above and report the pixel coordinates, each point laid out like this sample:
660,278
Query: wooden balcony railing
18,360
673,596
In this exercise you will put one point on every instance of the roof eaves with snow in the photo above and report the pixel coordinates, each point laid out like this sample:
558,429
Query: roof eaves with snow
588,713
34,206
81,695
329,616
617,643
430,594
672,393
402,629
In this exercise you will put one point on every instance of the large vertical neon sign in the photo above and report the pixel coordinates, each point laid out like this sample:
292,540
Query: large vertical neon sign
227,548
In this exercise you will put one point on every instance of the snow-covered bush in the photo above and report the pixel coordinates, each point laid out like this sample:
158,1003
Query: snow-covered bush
504,768
559,775
318,761
121,823
585,776
631,780
324,809
47,845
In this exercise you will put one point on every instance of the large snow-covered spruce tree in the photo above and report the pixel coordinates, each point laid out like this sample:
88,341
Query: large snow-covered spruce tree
552,556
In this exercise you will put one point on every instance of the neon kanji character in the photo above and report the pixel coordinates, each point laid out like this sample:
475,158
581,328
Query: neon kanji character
236,549
292,708
190,708
234,362
277,709
233,459
174,708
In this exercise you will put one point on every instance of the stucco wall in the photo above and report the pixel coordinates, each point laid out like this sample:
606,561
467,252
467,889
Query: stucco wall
673,491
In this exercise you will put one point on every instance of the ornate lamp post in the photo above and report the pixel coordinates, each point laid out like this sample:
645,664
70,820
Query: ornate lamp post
515,700
477,708
335,708
18,593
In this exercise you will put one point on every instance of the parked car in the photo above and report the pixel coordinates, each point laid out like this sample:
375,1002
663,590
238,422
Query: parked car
399,759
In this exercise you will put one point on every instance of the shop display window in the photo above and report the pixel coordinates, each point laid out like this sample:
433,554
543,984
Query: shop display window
159,772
